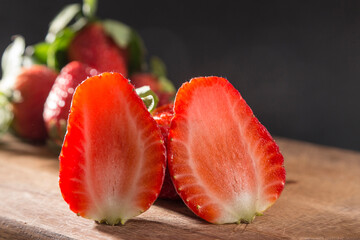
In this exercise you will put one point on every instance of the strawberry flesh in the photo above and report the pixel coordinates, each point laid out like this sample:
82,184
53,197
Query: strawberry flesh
163,116
224,164
112,162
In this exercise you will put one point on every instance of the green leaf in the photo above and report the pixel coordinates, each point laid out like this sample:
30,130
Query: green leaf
57,52
11,62
166,85
89,8
158,68
148,96
79,24
40,52
121,33
126,38
6,115
59,23
136,53
29,61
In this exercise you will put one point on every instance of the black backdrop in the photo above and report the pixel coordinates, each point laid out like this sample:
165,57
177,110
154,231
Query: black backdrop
297,63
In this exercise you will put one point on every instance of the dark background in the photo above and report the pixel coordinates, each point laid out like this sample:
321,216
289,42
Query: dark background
297,63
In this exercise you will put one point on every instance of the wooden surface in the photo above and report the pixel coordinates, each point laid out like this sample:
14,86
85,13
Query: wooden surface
321,200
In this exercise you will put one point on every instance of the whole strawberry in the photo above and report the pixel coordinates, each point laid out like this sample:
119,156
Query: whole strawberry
33,84
93,47
163,116
151,80
57,105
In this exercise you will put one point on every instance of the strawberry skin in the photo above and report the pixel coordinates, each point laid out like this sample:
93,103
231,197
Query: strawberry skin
33,84
148,79
112,162
93,47
57,105
163,116
224,164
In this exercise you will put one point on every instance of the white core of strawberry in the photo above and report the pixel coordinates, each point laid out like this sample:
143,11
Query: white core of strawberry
109,206
243,209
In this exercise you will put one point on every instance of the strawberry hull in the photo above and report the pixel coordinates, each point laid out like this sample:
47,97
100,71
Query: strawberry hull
148,79
224,164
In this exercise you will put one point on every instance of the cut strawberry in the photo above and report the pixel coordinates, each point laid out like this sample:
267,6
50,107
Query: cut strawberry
112,162
57,105
224,164
167,110
163,116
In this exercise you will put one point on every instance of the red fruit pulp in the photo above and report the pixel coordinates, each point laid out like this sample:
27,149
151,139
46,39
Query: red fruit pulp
112,162
224,164
163,116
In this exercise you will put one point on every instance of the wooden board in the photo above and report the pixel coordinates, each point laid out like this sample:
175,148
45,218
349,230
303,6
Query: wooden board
321,200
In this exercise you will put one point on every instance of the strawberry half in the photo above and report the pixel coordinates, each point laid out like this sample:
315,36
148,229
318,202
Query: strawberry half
33,84
163,116
224,164
93,47
57,105
112,162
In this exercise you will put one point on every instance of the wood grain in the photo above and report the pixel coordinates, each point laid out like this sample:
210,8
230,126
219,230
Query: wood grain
321,200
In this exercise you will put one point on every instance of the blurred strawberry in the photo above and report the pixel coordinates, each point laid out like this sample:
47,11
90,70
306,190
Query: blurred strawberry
95,48
33,84
57,105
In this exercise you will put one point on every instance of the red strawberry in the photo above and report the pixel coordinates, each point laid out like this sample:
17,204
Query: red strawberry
93,47
224,164
57,105
33,84
148,79
112,162
163,116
